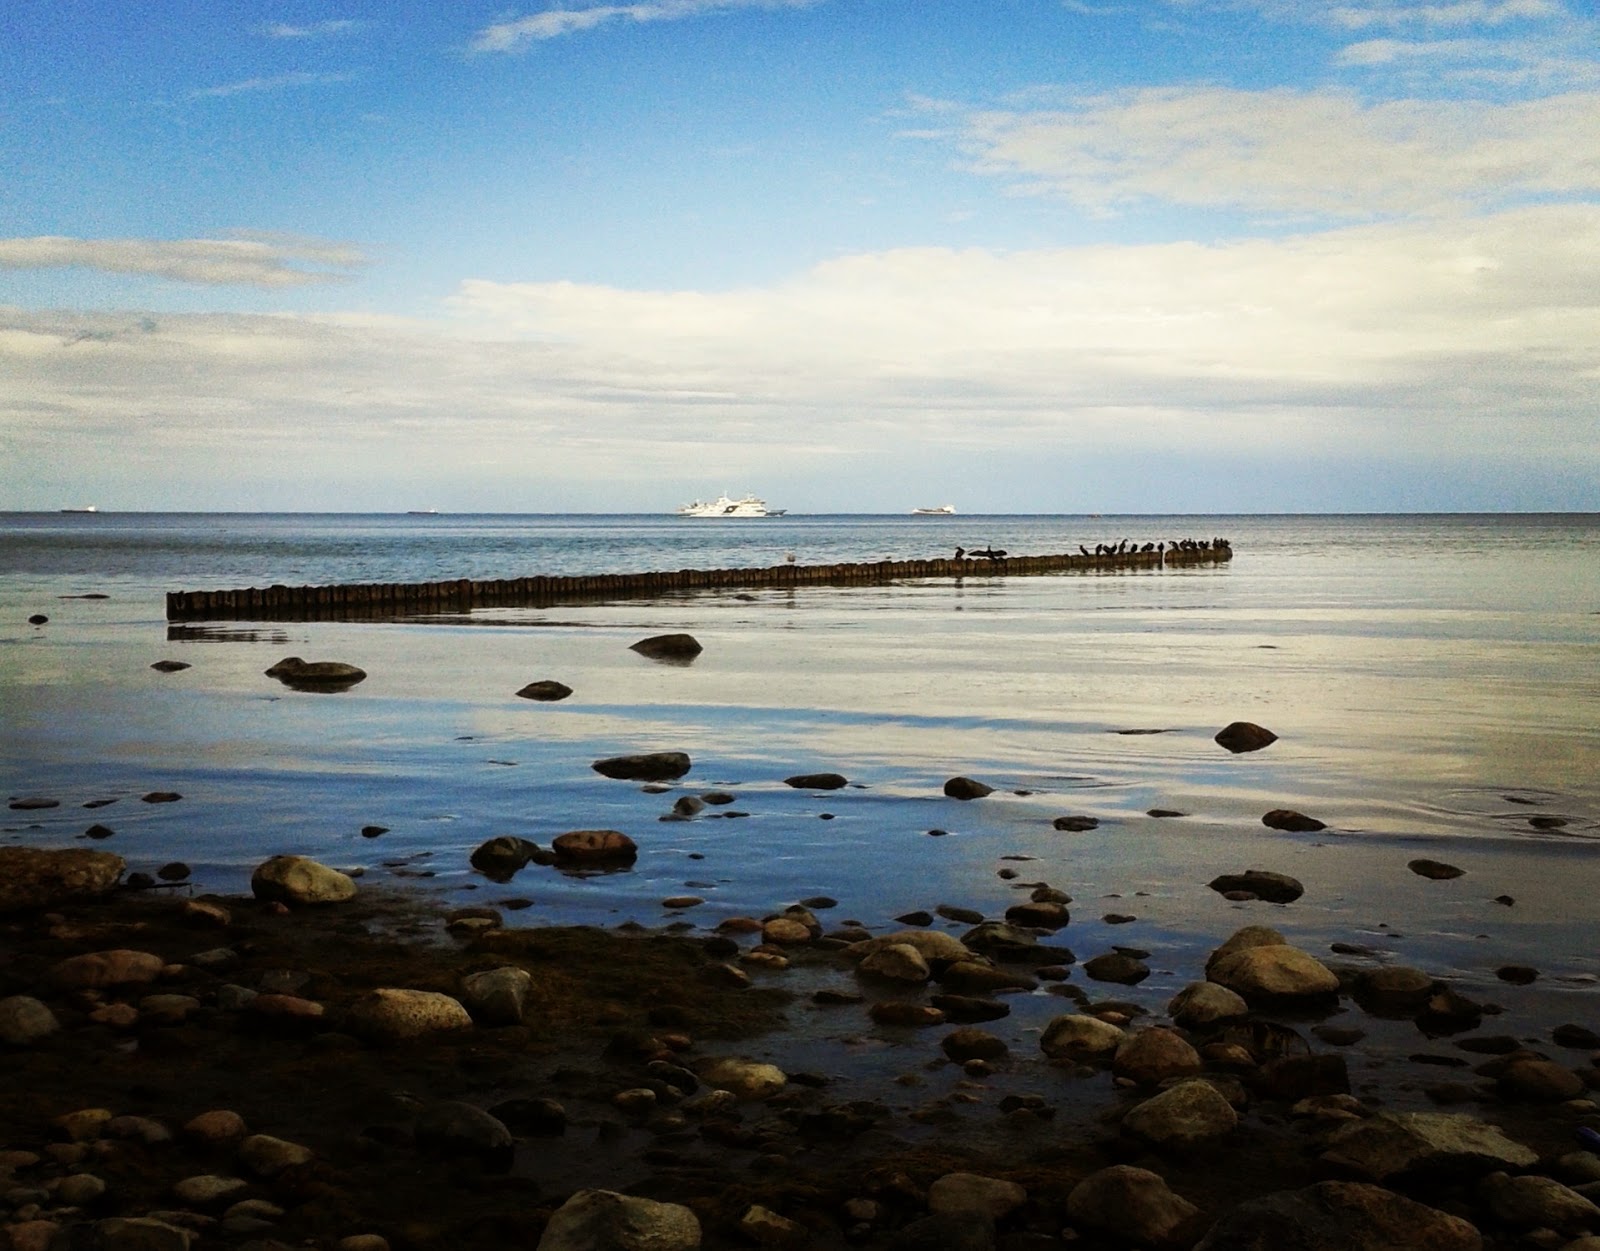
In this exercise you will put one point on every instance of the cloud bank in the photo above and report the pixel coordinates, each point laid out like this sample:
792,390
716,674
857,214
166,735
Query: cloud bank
516,34
254,262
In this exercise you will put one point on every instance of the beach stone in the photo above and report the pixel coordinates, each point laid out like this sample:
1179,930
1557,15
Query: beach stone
1291,1078
786,931
603,1220
972,1192
208,1189
1242,939
1437,870
1243,736
936,947
546,691
1339,1216
660,766
168,1009
300,880
32,877
362,1242
1135,1204
594,847
25,1020
205,914
497,996
688,806
1447,1011
1394,986
900,1015
35,1235
170,666
1039,915
748,1079
1274,972
390,1015
143,1129
1541,1081
1273,887
1117,967
78,1189
817,781
1533,1202
1205,1003
266,1156
1188,1115
968,977
33,803
325,674
1075,824
1000,940
764,1226
1153,1056
135,1233
968,1009
1577,1036
502,857
966,788
1397,1144
98,969
1077,1036
668,647
454,1128
217,1126
973,1044
1292,821
899,962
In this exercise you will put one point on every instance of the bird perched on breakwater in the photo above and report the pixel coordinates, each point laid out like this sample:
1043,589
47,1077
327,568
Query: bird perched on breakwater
961,553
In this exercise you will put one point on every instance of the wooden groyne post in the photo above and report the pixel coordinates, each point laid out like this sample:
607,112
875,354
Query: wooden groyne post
414,599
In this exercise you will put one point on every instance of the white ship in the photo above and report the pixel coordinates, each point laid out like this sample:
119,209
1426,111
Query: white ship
724,506
943,510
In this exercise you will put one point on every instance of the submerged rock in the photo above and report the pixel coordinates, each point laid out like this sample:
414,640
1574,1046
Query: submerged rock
1437,870
1243,736
1273,887
966,788
546,691
596,847
658,766
817,781
1294,822
316,675
679,647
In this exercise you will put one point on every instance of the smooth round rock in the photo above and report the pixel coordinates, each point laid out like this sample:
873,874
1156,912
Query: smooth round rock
300,880
393,1015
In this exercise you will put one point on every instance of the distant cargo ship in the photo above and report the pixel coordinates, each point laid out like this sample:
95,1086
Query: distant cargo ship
943,510
87,508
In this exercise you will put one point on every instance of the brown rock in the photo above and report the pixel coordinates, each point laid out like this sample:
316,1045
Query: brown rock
1243,736
1294,822
679,647
966,788
1437,870
660,766
1152,1056
32,877
546,691
594,847
1339,1216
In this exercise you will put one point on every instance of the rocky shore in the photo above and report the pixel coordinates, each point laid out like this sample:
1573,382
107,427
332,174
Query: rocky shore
325,1065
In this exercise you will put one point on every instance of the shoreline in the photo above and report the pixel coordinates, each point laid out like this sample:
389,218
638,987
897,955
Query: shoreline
873,1111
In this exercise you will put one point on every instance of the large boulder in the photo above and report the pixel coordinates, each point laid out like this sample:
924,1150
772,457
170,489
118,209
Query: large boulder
497,996
392,1015
935,946
656,766
25,1020
96,970
32,877
603,1220
501,857
1202,1004
1077,1036
1153,1056
1339,1216
300,880
1134,1205
1274,972
748,1079
1396,1144
1191,1114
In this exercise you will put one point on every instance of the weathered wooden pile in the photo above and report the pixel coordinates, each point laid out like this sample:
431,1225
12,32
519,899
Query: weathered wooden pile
404,599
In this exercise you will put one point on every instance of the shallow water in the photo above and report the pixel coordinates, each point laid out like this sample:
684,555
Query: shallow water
1435,682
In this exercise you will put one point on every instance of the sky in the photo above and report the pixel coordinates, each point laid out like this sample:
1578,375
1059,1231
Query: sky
1059,256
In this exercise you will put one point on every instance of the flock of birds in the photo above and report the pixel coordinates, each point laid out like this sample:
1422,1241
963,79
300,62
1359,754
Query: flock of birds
1114,549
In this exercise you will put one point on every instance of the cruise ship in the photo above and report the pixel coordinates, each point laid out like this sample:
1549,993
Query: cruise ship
724,506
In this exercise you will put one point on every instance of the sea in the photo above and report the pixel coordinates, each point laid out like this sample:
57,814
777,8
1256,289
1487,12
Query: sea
1433,680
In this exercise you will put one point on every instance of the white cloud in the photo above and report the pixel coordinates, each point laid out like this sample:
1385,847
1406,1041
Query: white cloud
1422,340
515,34
271,82
1366,14
1307,153
316,30
262,261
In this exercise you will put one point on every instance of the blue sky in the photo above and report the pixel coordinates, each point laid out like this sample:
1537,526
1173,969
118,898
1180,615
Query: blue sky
854,255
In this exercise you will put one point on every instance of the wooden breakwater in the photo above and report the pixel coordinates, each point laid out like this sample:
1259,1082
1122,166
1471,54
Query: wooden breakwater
414,599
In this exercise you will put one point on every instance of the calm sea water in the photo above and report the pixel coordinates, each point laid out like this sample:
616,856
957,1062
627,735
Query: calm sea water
1435,683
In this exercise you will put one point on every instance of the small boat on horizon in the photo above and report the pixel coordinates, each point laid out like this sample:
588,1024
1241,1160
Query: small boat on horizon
943,510
422,512
87,508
